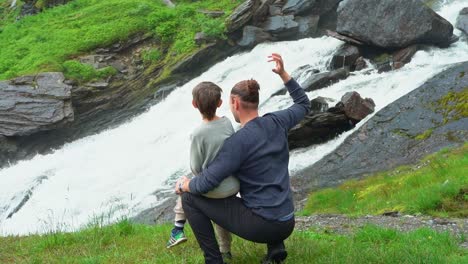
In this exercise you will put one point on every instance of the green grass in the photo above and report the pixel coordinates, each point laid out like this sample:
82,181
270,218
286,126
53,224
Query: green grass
45,41
130,243
438,186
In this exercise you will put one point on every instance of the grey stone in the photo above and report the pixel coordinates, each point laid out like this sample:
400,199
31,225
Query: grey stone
297,7
361,64
404,56
307,26
282,27
345,56
252,36
324,79
262,11
318,105
27,109
392,24
317,128
355,107
241,15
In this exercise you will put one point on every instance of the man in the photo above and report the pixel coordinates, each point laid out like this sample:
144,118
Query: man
258,156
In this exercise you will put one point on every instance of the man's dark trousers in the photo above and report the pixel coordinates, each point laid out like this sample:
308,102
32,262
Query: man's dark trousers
231,214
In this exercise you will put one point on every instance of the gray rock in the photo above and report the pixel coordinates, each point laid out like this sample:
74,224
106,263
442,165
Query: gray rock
275,10
355,107
404,56
345,56
252,36
241,15
298,7
344,38
462,20
318,105
282,27
392,24
322,7
390,138
29,108
262,11
314,80
307,26
361,64
324,79
201,38
317,128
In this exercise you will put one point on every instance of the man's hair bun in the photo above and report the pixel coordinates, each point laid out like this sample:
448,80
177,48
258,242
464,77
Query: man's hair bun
253,86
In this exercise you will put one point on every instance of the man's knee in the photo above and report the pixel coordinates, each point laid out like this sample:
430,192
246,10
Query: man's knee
186,198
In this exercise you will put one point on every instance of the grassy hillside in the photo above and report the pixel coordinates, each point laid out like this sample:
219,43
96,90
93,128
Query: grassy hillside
128,243
44,42
437,186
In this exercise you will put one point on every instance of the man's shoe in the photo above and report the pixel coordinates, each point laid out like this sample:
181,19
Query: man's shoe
275,258
276,254
176,238
227,257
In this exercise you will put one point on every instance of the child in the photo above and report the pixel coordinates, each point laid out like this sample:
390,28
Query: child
207,140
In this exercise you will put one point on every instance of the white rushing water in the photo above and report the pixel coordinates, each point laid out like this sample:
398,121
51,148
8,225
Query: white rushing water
116,172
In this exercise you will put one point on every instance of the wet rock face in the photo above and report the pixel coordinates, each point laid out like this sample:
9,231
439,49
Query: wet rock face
392,24
34,103
401,133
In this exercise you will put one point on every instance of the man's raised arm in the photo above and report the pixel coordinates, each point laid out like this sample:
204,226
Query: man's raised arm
301,107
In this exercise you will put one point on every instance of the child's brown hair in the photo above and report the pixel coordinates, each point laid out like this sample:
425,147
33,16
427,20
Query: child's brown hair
207,96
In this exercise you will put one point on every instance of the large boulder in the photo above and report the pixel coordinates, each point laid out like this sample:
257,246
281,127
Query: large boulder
281,27
392,24
252,36
298,7
323,123
34,103
462,20
345,56
422,122
241,15
356,107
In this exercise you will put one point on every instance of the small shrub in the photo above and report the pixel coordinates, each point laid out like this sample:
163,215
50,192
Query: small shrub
151,55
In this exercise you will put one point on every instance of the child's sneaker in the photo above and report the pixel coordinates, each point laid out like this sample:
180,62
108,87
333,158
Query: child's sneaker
177,237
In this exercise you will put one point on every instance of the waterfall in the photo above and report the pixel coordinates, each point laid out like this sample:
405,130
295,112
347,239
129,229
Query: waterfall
115,173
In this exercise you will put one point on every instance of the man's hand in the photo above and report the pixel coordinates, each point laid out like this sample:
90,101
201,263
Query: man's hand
279,68
182,185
